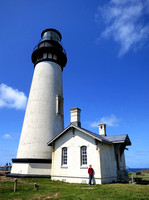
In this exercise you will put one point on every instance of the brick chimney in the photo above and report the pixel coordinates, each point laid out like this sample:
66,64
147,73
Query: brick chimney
75,116
102,129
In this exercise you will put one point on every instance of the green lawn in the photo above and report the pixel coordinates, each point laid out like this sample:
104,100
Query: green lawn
59,190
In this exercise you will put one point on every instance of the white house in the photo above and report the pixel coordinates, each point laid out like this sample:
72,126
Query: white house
75,148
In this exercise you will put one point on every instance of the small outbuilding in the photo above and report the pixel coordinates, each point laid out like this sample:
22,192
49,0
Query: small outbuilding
75,148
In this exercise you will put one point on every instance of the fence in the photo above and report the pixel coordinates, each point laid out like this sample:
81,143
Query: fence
5,169
140,178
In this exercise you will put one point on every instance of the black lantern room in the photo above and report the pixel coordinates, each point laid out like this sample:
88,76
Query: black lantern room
50,48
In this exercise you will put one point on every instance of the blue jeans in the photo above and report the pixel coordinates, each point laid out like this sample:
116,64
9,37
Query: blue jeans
90,179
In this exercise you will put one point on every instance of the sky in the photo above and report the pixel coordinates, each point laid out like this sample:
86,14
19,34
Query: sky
106,75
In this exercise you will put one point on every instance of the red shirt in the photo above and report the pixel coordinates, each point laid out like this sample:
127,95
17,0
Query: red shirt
90,171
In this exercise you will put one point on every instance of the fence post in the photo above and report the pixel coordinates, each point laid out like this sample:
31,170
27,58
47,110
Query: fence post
15,184
132,178
36,187
6,168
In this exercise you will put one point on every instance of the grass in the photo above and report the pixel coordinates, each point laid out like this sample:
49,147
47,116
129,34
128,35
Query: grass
65,191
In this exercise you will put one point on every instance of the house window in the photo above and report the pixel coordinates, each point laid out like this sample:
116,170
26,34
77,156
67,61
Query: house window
64,156
83,155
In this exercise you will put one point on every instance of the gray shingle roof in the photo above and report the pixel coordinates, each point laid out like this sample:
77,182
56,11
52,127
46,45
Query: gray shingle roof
104,139
118,139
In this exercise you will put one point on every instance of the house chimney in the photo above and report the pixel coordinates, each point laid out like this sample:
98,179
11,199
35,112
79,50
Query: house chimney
75,116
102,129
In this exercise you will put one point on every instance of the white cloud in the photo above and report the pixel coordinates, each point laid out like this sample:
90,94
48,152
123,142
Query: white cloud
112,120
125,22
12,98
7,136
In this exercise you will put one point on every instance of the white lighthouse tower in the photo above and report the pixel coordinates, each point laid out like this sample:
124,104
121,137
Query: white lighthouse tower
44,113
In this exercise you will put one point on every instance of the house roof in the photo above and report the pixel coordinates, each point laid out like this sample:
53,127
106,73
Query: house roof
118,139
104,139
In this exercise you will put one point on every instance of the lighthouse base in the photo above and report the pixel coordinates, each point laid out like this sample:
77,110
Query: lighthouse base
27,175
28,167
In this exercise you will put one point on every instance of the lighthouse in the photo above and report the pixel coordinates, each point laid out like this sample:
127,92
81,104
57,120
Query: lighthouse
44,113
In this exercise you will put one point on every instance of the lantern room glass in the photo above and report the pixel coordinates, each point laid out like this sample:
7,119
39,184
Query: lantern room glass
51,35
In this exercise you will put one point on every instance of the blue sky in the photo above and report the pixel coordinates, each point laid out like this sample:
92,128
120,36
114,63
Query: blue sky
106,76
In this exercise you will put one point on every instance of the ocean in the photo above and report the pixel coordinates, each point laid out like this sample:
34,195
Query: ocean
135,169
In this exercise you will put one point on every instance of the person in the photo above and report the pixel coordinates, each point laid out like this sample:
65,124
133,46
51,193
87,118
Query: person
9,166
90,172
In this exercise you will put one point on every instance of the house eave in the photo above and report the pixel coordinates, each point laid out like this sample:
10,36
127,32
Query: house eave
80,129
120,142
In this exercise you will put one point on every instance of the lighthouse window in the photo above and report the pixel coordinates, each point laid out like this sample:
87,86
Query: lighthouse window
45,55
55,57
59,105
49,55
64,156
